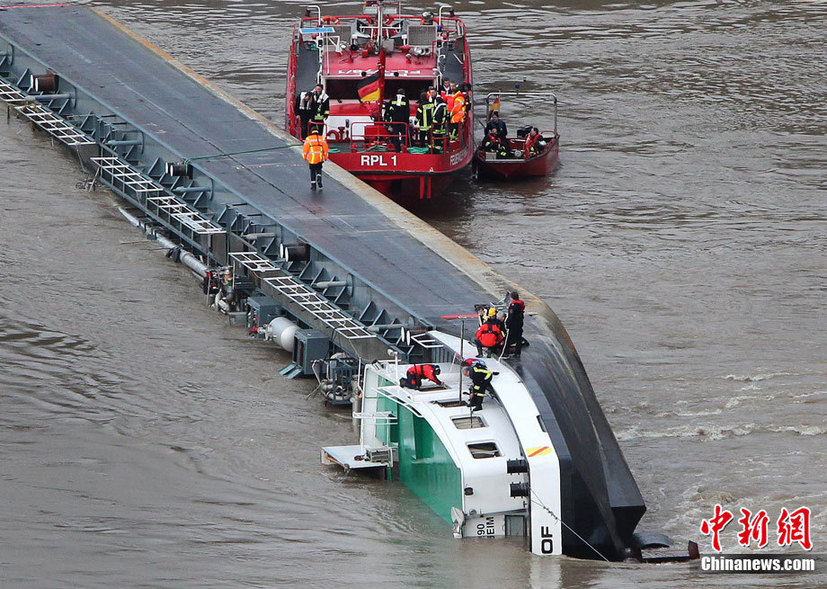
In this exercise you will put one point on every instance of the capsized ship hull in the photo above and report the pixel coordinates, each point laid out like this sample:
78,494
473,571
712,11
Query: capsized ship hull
245,221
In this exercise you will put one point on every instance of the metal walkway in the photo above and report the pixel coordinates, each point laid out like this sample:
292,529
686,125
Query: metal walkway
54,125
11,94
302,295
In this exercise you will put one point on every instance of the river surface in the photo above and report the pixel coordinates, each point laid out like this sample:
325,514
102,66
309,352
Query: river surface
683,242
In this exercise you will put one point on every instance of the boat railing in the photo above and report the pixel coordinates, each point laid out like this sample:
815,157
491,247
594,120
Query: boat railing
551,98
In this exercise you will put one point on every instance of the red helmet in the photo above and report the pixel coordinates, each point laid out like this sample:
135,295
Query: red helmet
469,362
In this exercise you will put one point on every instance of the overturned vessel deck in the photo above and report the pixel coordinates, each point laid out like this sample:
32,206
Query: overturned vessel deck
367,275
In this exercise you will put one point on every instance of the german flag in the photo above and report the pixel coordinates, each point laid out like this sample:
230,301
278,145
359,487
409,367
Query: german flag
368,88
495,107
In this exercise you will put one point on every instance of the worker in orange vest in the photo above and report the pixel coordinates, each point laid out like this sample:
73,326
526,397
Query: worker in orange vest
457,113
316,152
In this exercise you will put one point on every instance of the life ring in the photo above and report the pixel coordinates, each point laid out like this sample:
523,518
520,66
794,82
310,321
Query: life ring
336,135
330,20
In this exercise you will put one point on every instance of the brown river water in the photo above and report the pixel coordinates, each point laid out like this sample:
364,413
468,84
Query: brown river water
683,242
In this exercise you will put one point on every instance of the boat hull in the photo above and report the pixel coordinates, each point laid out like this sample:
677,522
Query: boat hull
516,168
404,176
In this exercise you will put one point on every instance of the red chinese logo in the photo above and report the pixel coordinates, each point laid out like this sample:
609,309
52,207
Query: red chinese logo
753,529
791,527
795,527
715,525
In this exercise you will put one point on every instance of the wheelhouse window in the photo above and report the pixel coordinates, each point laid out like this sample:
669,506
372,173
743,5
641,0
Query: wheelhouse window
467,422
484,450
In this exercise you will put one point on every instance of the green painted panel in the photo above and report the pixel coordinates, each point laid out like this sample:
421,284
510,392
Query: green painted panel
425,465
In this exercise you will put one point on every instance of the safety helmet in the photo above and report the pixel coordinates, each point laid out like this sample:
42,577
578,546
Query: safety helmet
469,362
400,91
436,369
314,131
492,312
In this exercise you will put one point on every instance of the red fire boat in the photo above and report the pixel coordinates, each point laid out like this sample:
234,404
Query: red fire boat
362,61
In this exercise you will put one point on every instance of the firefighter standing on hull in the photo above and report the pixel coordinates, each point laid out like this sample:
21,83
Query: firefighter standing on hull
480,377
415,374
315,151
514,325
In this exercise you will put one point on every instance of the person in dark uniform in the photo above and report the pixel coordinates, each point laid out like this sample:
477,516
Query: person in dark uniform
480,377
440,124
497,126
415,374
319,108
514,325
425,117
399,113
303,107
492,144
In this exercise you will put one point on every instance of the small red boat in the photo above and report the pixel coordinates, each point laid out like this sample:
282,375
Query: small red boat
539,160
364,60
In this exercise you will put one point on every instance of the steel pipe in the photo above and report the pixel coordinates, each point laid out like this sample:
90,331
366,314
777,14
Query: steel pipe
47,97
121,142
329,284
183,189
184,257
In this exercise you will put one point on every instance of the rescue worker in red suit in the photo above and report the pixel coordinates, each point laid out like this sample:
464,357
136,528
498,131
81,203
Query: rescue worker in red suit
417,372
514,325
480,377
490,334
534,143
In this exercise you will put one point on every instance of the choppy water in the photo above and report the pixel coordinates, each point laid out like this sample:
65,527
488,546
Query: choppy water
682,242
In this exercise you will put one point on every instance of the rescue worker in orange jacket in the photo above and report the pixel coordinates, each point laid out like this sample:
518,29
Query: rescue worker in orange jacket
315,151
534,143
417,372
457,109
490,334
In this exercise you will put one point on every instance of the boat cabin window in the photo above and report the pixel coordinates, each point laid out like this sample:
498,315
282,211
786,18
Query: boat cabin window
451,403
341,89
413,88
468,422
484,450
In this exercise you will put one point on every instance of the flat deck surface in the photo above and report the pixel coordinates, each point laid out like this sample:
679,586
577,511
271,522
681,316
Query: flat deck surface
189,119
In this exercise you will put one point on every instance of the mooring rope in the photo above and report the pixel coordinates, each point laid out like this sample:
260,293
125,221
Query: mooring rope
552,514
232,153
